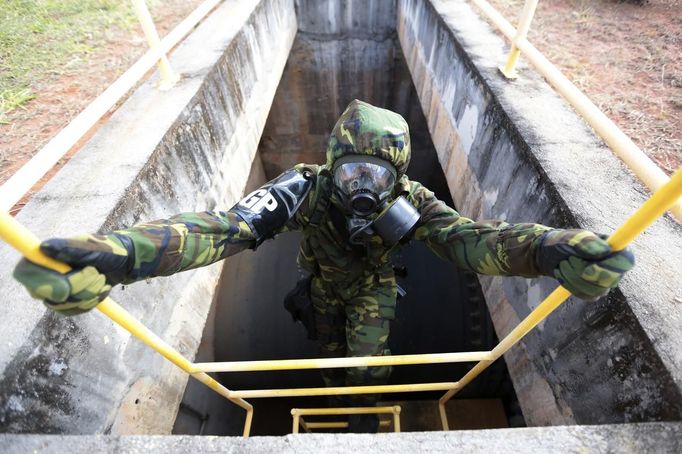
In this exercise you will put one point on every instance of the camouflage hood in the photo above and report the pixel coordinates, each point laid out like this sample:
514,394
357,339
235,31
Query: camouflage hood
364,129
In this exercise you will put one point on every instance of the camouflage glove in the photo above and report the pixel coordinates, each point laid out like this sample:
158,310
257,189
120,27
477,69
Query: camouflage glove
99,262
582,262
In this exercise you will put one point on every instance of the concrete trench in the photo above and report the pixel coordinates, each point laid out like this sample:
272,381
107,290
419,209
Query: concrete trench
263,83
444,309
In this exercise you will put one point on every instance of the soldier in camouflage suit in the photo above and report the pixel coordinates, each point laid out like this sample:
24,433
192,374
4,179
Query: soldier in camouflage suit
353,287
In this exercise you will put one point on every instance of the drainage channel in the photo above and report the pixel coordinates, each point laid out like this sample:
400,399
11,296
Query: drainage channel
443,311
508,151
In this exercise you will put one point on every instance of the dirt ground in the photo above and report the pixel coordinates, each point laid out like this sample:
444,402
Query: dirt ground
627,57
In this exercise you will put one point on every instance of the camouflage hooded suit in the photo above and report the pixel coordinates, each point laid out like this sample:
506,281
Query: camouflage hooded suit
353,288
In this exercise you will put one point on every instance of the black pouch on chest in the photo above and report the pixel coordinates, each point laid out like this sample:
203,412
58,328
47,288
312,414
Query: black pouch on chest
299,304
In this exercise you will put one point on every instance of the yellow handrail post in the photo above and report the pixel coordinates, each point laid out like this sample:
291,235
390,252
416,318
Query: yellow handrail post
396,418
646,215
525,19
443,416
168,77
21,239
296,417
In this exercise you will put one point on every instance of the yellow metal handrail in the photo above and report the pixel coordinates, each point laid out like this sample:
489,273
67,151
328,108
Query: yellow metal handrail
307,425
668,191
298,413
641,165
343,390
20,238
27,244
649,212
329,363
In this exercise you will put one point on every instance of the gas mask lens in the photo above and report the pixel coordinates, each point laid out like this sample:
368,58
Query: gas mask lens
364,184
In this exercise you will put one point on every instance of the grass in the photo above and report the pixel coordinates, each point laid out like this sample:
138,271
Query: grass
11,99
583,13
41,39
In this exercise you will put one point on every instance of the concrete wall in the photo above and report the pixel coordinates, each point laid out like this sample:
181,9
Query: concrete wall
643,437
344,50
335,59
187,149
515,151
202,411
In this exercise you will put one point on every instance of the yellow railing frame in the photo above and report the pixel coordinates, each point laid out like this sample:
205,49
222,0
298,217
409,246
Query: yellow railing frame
330,363
298,413
17,236
651,210
666,197
308,425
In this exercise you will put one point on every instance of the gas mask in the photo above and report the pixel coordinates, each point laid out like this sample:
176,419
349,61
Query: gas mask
364,185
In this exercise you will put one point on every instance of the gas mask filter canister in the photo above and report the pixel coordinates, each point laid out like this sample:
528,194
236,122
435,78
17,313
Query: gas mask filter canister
396,221
392,224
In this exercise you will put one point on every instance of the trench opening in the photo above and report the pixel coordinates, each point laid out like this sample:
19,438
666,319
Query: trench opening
444,309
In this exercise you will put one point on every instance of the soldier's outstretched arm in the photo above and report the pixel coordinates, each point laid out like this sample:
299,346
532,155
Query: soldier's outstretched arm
160,248
579,259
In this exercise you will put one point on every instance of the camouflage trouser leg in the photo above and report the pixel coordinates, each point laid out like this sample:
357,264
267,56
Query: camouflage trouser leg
355,322
330,325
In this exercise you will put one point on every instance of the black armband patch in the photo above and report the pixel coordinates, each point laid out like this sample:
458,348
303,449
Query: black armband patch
268,209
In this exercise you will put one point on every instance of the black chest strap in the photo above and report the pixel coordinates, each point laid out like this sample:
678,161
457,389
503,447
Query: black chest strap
323,198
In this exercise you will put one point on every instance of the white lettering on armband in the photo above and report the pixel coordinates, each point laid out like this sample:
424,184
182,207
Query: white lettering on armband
258,200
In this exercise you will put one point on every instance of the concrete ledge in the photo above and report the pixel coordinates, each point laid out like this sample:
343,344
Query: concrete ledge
161,153
516,151
647,437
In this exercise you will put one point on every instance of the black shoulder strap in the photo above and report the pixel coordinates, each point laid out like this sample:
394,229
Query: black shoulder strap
323,197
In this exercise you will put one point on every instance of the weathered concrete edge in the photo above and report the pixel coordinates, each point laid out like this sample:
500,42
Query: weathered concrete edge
462,119
186,149
643,437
